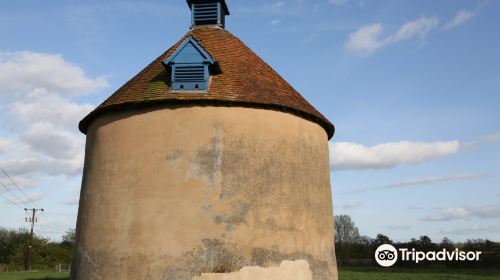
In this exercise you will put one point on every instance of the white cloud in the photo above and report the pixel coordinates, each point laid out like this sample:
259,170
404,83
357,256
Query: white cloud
275,22
49,107
420,27
30,198
474,230
58,144
485,211
42,137
420,181
492,138
347,155
460,18
398,227
434,179
351,205
447,214
368,39
278,6
21,72
466,212
40,165
4,145
338,2
24,182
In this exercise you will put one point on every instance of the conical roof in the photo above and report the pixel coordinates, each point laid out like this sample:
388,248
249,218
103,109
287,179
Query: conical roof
244,80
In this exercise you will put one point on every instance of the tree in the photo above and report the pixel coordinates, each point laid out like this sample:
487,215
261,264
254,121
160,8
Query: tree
345,230
425,240
381,239
447,244
46,254
69,237
346,234
425,244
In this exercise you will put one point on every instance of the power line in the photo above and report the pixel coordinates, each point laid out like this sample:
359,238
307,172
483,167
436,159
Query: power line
19,188
20,201
45,225
10,201
42,227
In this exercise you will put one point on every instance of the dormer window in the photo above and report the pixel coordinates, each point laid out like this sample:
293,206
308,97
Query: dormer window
191,67
208,12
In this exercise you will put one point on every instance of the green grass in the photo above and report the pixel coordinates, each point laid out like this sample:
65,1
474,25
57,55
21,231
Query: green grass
375,273
34,276
345,273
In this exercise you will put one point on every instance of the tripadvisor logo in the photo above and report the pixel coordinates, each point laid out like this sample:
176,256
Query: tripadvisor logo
387,255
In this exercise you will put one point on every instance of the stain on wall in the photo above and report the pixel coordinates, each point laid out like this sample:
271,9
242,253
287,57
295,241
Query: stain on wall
172,194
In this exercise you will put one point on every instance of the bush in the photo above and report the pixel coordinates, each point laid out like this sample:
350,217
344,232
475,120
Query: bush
46,254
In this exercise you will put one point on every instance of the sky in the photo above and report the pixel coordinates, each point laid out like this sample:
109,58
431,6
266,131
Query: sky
413,88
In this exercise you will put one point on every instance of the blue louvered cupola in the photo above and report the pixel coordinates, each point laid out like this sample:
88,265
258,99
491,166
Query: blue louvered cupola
208,12
191,67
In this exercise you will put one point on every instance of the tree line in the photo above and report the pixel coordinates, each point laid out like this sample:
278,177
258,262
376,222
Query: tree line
351,248
47,254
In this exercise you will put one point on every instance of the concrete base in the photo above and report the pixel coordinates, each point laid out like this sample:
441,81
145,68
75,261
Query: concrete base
288,270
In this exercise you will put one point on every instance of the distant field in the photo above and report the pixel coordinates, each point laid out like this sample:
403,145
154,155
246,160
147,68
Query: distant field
375,273
34,276
346,273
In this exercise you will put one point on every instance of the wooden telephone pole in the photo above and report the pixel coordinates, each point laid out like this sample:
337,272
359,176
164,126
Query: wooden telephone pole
27,263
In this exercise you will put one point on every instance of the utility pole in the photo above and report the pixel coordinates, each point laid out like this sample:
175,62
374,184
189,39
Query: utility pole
27,263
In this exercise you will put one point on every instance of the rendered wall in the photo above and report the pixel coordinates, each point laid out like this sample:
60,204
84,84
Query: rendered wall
173,193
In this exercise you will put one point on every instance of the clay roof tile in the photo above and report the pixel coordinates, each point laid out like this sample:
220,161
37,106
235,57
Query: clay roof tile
245,80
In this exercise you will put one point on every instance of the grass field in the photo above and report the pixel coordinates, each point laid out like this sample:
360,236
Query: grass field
346,273
376,273
34,276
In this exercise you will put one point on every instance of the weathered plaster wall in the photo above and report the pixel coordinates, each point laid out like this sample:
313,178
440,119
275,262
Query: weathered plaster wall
173,193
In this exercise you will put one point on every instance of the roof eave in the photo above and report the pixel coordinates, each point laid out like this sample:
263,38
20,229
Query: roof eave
87,120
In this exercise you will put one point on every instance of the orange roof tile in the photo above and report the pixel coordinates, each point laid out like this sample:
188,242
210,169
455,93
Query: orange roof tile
245,81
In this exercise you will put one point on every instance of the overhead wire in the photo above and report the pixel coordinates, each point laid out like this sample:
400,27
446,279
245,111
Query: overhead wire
23,202
47,226
44,226
10,201
19,188
19,201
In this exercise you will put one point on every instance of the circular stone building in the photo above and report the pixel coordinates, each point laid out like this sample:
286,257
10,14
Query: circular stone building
206,165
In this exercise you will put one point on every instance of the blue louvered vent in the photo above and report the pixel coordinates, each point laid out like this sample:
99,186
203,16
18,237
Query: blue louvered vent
191,67
206,13
190,77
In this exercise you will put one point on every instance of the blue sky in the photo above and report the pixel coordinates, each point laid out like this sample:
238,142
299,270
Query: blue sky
412,87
